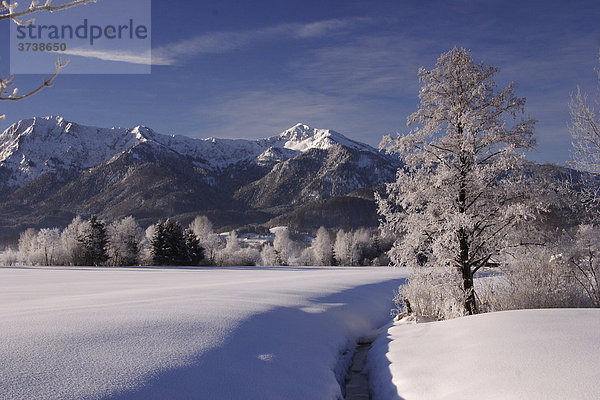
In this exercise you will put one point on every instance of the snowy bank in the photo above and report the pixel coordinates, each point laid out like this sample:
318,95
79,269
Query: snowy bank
528,354
145,333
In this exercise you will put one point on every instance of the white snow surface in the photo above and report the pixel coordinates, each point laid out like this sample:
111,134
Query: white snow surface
177,333
34,146
526,354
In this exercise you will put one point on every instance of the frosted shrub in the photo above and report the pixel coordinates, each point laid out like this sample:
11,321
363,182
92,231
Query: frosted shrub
234,254
432,292
268,256
536,278
9,257
584,261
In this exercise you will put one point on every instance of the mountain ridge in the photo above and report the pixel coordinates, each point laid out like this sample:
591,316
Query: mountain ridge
68,145
52,169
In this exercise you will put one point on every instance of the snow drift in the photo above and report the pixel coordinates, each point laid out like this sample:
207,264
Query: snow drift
529,354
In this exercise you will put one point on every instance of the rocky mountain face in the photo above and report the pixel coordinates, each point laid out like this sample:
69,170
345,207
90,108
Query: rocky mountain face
52,169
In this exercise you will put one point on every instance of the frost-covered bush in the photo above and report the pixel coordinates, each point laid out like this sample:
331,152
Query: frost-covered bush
584,261
234,254
268,255
9,257
357,247
432,292
536,278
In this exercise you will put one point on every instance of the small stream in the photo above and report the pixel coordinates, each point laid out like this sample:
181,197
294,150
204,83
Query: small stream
357,383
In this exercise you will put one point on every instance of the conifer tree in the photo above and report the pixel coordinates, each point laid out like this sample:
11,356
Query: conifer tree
172,246
195,252
95,242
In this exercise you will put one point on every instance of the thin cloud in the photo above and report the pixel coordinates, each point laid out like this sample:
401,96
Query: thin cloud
223,42
371,66
143,58
261,113
266,112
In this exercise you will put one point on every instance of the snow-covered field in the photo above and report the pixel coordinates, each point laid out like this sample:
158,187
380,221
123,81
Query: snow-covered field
528,354
145,333
270,333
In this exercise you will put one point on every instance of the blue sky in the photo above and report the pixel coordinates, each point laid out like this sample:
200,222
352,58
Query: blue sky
254,68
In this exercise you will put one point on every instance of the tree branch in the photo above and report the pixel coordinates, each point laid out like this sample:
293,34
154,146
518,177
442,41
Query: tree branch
7,10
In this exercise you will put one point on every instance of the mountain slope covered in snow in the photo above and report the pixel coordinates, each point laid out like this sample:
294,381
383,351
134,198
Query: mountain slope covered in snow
52,169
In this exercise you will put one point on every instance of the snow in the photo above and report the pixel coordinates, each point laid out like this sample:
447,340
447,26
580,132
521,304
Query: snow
34,146
528,354
202,333
302,138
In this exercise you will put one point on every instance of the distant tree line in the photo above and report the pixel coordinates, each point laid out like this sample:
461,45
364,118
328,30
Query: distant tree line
94,242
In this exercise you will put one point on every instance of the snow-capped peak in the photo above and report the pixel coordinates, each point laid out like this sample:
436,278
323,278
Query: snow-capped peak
302,137
35,146
32,147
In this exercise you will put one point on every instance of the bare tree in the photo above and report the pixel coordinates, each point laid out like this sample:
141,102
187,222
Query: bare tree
460,198
209,240
124,238
322,248
585,131
584,260
10,11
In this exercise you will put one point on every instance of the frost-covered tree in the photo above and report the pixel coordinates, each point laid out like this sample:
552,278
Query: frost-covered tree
365,246
207,238
284,247
584,260
40,248
26,244
460,199
49,245
234,254
349,247
10,11
124,237
340,248
146,245
585,132
322,248
268,256
71,240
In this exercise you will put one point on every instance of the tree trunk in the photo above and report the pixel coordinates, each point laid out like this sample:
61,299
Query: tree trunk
467,275
469,290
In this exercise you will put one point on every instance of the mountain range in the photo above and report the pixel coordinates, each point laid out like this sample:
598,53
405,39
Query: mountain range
52,169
